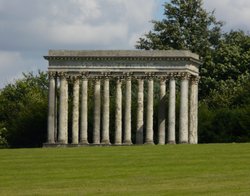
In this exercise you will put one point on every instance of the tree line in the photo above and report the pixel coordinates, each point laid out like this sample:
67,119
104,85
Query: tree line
224,88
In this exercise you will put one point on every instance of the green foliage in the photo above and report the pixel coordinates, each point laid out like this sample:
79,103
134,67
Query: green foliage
228,65
224,88
187,25
224,124
230,93
23,110
3,136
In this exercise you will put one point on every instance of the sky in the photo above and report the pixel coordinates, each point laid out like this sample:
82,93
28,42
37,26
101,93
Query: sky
29,28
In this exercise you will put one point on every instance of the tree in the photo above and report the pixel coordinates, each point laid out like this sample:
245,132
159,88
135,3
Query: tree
23,111
225,72
186,26
226,75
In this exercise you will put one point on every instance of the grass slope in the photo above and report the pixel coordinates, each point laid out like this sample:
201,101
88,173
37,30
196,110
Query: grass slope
215,169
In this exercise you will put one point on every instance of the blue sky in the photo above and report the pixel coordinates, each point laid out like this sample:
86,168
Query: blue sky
160,9
29,28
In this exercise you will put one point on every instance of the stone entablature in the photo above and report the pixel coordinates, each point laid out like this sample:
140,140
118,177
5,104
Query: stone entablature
124,66
122,63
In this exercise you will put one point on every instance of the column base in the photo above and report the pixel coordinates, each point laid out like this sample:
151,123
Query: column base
149,143
117,144
127,143
183,142
60,145
84,142
63,142
171,142
105,143
95,144
161,144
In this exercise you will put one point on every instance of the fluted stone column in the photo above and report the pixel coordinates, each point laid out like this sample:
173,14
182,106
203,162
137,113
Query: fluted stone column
150,111
127,125
139,128
51,109
161,113
171,112
75,115
183,133
56,111
105,121
84,113
118,113
97,112
63,111
193,114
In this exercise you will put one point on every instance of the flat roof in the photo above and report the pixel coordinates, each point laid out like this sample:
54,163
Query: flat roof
122,53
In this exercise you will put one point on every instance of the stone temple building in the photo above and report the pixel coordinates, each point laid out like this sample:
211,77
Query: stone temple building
166,68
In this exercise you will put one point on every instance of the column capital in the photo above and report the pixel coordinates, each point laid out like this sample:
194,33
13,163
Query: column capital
106,75
97,78
162,78
119,78
74,77
139,77
173,75
63,75
52,74
85,75
127,75
184,76
194,79
149,75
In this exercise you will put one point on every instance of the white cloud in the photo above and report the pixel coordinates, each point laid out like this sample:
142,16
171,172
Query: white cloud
29,28
235,13
11,66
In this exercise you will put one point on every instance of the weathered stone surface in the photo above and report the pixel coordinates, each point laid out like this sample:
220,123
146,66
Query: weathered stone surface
140,63
84,113
123,53
171,112
127,125
140,105
183,133
63,111
193,114
105,129
51,109
118,113
97,113
150,112
161,113
102,66
75,115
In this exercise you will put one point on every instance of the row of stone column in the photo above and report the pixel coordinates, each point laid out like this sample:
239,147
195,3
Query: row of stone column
188,112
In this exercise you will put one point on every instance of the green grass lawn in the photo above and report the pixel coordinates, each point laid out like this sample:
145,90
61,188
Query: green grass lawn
215,169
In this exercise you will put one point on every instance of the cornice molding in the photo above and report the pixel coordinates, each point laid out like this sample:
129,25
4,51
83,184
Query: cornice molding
118,58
